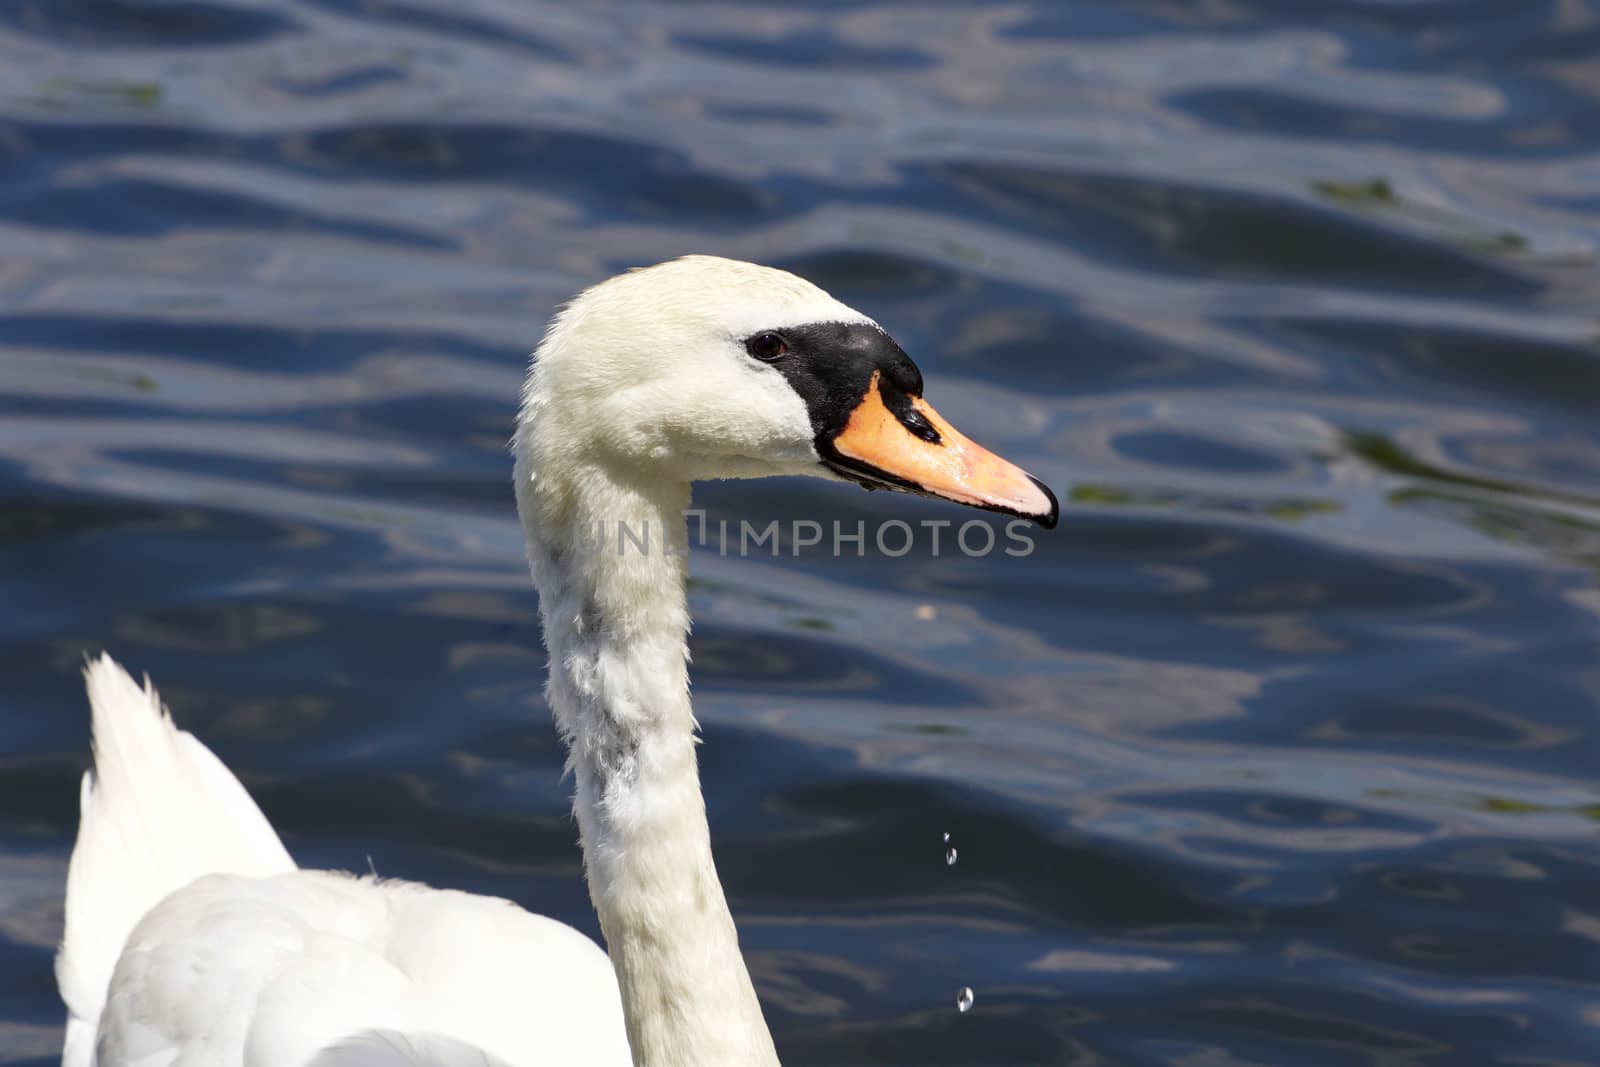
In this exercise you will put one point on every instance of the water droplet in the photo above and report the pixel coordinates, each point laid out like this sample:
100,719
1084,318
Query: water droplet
964,999
947,837
950,857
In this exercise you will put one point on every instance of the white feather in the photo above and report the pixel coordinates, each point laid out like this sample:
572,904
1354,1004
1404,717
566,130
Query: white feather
157,811
192,940
386,1048
265,964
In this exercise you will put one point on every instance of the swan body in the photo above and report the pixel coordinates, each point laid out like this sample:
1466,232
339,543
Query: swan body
191,937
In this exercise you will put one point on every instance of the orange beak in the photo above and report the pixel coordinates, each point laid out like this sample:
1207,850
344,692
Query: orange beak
879,447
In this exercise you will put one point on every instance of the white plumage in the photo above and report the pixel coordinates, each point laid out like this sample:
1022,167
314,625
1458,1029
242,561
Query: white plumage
390,1048
215,950
158,811
193,941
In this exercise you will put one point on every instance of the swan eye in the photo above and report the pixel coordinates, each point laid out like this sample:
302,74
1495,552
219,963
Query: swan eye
766,346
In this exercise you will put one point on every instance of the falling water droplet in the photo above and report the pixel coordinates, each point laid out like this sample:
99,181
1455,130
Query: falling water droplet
947,837
964,999
950,857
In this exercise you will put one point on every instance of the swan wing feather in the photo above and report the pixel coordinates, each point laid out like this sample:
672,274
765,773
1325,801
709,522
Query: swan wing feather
192,940
157,811
260,972
390,1048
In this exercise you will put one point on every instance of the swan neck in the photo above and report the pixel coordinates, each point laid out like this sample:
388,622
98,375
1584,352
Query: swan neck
615,614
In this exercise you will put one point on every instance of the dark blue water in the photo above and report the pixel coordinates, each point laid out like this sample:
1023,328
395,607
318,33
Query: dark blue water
1280,751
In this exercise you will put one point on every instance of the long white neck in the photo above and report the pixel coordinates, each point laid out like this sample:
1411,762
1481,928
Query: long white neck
616,624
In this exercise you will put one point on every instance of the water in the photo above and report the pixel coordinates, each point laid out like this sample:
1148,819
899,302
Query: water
1281,750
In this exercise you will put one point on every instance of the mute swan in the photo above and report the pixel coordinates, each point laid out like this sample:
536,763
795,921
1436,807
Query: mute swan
191,937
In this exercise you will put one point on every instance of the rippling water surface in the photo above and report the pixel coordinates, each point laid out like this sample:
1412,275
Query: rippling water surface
1281,750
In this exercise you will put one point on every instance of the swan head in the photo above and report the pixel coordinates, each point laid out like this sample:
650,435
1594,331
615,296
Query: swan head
702,368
